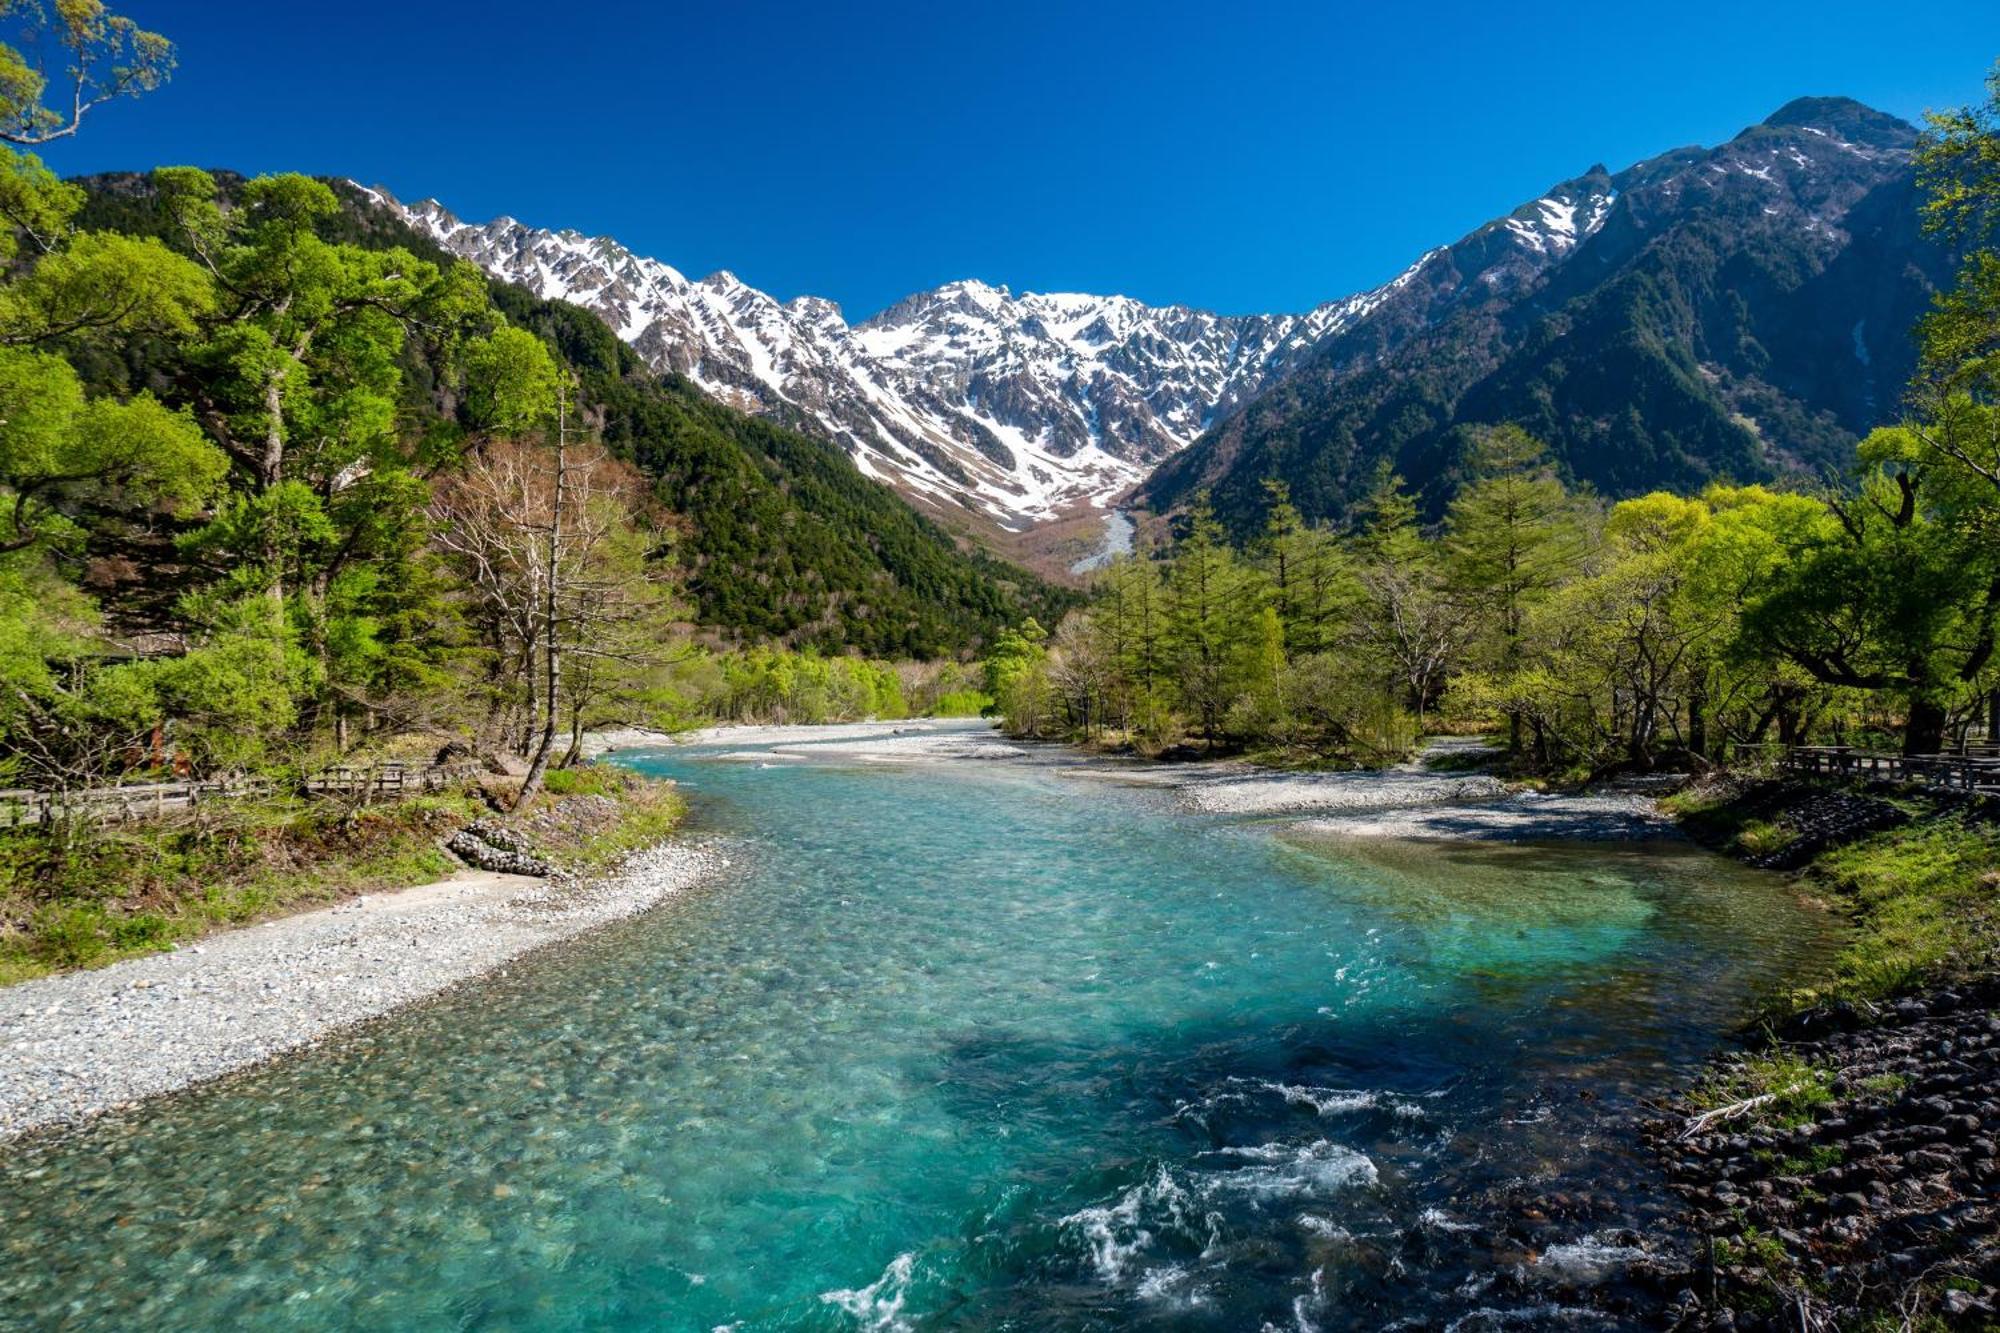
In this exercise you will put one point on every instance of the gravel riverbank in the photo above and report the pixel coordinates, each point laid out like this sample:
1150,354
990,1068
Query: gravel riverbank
76,1045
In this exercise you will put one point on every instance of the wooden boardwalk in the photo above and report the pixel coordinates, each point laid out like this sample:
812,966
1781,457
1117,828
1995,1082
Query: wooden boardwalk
1974,769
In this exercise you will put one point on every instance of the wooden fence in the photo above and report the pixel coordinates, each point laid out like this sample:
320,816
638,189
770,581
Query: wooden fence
1975,769
151,800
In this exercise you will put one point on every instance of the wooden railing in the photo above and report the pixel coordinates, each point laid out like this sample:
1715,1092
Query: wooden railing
126,802
1977,769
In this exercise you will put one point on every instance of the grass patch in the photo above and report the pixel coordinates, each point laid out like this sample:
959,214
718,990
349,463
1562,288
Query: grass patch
1491,755
84,898
601,815
1761,837
1752,1248
1925,899
1712,811
1885,1085
1796,1086
584,780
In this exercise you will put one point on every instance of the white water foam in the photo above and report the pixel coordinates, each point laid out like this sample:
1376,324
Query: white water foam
1174,1286
878,1307
1323,1228
1589,1259
1437,1219
1115,1233
1286,1171
1341,1101
1529,1316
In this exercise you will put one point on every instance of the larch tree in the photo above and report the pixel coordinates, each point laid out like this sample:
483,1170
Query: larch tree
1513,536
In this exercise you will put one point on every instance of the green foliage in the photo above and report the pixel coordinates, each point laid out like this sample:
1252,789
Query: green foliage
588,780
961,703
105,56
1926,902
777,685
67,902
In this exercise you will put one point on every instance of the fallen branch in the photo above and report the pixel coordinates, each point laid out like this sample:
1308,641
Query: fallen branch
1721,1113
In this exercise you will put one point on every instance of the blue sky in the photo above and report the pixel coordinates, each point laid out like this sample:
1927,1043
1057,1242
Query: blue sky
1236,156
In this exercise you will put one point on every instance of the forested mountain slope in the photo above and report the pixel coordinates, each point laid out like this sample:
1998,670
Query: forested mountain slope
781,537
1741,312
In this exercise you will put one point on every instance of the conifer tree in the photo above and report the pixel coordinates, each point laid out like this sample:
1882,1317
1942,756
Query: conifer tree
1513,536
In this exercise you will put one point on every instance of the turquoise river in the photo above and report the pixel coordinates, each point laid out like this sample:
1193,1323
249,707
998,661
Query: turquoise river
958,1045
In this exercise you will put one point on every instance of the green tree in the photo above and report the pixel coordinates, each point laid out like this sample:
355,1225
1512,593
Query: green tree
1016,675
1895,588
1407,629
1514,535
107,56
1312,582
1212,605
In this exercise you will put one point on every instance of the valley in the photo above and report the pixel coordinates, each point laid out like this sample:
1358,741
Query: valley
1192,753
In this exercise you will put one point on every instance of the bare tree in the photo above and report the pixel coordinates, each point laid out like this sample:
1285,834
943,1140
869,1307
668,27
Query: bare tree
568,585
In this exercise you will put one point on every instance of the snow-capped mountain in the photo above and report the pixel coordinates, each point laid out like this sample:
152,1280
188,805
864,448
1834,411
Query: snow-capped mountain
1739,312
967,397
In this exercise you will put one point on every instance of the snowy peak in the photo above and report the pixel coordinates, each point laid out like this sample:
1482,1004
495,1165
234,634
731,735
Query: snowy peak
1021,407
967,397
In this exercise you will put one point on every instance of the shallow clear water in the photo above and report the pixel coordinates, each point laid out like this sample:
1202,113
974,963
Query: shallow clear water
965,1046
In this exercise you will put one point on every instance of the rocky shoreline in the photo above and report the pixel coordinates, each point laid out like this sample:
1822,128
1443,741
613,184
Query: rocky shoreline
1878,1188
77,1045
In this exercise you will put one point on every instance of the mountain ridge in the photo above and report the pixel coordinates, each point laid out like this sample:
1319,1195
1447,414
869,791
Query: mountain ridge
1738,312
969,397
1016,410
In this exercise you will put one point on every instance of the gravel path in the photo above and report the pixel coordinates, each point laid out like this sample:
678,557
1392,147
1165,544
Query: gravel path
76,1045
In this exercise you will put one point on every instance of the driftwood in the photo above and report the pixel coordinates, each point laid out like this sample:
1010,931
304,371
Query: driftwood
1708,1119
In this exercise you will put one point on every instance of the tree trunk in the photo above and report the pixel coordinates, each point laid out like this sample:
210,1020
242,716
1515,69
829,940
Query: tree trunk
552,641
270,470
1698,721
1923,731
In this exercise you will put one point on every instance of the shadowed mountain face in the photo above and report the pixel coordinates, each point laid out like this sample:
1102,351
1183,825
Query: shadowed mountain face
1741,312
